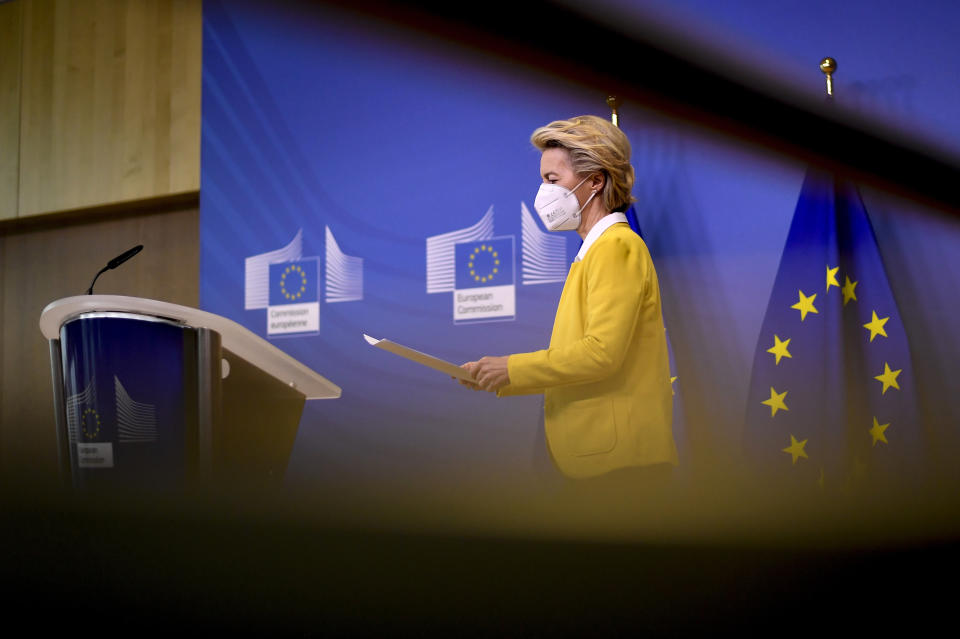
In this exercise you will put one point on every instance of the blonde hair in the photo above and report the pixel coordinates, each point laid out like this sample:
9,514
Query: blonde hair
595,146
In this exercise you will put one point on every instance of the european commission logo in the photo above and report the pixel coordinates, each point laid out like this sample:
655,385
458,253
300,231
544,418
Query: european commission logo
86,430
480,269
294,297
484,284
91,432
288,285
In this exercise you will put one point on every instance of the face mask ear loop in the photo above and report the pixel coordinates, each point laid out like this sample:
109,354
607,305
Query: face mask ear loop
587,202
579,185
574,190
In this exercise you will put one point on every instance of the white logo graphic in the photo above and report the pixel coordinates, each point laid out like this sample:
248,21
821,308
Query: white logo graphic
484,287
136,422
257,272
344,274
287,285
84,427
441,257
544,255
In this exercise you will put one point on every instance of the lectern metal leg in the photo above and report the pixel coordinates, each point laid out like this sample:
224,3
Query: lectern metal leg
208,399
60,414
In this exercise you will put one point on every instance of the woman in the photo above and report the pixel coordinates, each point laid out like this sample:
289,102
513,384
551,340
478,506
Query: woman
605,375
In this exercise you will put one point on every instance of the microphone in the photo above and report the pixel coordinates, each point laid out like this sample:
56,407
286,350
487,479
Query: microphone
114,263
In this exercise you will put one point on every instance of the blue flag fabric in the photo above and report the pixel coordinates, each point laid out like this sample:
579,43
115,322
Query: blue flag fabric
831,399
632,220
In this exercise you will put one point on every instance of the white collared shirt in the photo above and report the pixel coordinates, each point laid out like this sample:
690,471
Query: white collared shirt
605,222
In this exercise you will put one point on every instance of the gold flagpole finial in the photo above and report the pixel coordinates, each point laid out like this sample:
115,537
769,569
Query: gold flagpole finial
613,103
828,66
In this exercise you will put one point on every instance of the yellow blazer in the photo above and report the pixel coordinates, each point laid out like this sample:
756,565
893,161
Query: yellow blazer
606,376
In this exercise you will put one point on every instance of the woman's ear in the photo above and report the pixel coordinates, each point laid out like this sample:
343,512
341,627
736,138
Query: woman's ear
597,181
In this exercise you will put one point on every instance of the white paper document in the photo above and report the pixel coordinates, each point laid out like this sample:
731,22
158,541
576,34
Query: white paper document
418,357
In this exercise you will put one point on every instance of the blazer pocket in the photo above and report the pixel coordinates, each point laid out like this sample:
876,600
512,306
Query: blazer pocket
591,427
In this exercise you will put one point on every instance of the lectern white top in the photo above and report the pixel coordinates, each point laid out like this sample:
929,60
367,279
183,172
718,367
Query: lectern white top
233,337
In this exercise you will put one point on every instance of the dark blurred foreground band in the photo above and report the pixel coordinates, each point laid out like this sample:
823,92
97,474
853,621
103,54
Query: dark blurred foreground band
641,63
474,563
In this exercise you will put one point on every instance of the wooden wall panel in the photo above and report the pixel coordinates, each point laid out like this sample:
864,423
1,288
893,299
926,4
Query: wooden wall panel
186,72
9,107
110,102
41,265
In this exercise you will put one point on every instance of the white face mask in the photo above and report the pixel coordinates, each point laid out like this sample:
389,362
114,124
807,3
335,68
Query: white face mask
558,207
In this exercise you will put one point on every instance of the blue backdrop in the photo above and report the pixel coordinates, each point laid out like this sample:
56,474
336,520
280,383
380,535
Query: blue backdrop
359,157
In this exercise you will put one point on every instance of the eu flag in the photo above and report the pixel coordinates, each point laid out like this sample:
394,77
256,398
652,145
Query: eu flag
631,214
484,263
831,399
294,282
679,421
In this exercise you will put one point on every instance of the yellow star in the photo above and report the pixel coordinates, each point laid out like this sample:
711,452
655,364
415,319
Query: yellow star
889,378
780,348
877,432
832,277
805,305
848,291
672,380
775,402
875,326
796,449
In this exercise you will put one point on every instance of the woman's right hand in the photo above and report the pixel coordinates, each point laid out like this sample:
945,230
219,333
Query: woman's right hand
470,367
491,373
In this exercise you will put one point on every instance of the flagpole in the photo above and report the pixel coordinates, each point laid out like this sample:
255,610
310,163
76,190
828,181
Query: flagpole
828,66
613,102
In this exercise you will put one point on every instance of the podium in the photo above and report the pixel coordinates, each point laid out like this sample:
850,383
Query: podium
154,395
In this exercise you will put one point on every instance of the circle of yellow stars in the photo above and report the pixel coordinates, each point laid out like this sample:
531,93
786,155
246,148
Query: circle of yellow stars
876,327
292,293
94,422
477,252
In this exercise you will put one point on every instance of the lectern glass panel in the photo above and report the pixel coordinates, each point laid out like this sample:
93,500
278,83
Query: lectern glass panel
130,395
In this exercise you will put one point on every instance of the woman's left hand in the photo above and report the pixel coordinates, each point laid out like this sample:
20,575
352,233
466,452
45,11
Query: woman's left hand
490,373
